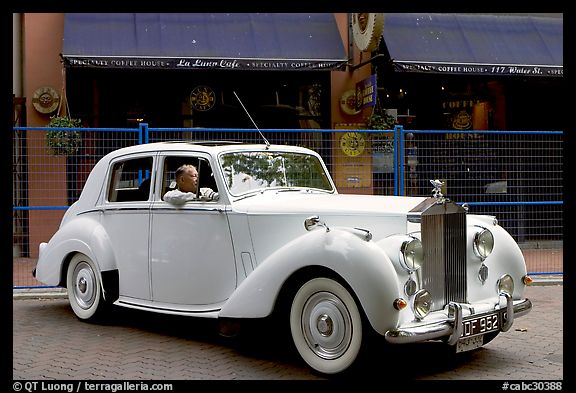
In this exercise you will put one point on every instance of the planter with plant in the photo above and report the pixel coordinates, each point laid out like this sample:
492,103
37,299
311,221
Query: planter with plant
380,120
66,139
63,142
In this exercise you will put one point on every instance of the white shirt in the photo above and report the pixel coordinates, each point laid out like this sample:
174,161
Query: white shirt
178,197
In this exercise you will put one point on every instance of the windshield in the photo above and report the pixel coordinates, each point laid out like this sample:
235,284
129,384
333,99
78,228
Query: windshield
246,172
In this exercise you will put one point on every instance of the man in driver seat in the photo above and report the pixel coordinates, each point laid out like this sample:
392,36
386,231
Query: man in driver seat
187,187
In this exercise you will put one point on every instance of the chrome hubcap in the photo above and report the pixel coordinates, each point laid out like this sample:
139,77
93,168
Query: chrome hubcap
84,285
326,325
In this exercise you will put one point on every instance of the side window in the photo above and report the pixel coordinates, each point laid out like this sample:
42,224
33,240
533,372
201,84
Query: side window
171,165
130,180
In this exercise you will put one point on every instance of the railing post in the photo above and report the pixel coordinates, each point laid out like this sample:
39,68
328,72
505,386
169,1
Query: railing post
143,136
398,160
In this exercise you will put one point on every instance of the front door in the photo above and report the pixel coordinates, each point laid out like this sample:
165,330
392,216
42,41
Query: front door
191,254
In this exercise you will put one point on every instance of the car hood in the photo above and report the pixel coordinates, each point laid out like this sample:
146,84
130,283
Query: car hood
275,218
292,202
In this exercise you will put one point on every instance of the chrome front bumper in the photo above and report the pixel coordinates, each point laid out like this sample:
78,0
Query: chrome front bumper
452,326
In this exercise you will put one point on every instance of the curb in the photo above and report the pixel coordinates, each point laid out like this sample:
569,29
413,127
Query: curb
548,280
61,293
39,293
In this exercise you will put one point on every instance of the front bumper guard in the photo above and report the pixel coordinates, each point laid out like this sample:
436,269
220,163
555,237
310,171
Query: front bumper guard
452,327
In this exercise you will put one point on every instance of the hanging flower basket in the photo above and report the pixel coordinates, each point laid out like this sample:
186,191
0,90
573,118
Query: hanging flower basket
63,142
381,121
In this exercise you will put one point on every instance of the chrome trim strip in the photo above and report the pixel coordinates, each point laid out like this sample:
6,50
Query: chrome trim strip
188,209
124,303
112,209
90,211
153,209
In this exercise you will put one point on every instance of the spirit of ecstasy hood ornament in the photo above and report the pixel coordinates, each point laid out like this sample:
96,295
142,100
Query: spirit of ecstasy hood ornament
437,191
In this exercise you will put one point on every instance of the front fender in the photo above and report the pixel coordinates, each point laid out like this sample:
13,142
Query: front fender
84,235
362,264
506,258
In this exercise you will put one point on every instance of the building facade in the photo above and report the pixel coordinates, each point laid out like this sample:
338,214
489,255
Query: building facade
287,71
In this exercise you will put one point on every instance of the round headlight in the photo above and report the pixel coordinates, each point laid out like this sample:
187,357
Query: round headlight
483,243
506,284
422,303
412,254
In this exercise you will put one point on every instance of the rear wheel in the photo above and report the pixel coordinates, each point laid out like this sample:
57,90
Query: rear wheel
84,288
326,325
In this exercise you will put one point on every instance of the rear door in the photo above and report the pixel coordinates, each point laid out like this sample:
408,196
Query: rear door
126,216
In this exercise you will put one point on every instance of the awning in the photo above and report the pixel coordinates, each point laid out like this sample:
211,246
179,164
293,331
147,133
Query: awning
233,41
475,44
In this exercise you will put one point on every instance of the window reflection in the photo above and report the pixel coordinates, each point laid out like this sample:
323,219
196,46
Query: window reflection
252,171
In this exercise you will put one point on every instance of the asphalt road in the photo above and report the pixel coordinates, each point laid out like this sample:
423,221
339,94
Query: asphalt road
50,343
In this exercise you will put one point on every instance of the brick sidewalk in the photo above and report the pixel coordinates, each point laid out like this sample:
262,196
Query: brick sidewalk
50,343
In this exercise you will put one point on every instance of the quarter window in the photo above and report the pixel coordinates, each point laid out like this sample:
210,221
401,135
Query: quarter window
130,180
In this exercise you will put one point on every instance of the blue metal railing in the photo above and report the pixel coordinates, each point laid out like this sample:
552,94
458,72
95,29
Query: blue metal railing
142,135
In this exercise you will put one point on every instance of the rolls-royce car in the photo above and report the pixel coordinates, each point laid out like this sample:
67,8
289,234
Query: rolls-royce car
275,240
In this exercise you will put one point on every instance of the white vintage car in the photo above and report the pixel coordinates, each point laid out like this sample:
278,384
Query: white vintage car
280,242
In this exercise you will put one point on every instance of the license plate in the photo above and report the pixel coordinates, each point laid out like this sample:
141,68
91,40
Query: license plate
481,324
469,343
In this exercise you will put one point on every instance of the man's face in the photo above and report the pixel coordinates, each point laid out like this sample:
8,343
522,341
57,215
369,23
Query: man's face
188,181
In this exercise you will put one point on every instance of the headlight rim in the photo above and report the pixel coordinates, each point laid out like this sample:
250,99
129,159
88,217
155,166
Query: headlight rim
478,239
411,267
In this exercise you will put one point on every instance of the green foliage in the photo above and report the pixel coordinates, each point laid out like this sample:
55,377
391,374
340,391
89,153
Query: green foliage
63,142
249,171
381,121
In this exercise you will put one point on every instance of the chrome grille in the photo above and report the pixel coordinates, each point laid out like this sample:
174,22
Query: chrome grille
444,245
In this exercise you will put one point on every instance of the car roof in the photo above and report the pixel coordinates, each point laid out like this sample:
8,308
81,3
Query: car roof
95,182
214,147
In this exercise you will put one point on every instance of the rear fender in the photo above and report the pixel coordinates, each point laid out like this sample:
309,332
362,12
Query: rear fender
83,235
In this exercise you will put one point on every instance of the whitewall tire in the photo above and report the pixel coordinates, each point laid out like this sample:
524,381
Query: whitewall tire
326,325
84,287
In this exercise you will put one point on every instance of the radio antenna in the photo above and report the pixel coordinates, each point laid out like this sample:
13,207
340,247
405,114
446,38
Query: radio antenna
262,135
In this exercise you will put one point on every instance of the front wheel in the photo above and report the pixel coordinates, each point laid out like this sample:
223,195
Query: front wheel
326,325
84,288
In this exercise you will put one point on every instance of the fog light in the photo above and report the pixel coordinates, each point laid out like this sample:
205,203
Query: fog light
422,303
506,284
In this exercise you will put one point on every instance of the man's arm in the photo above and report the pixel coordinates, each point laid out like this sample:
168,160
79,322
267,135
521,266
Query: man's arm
177,197
207,194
